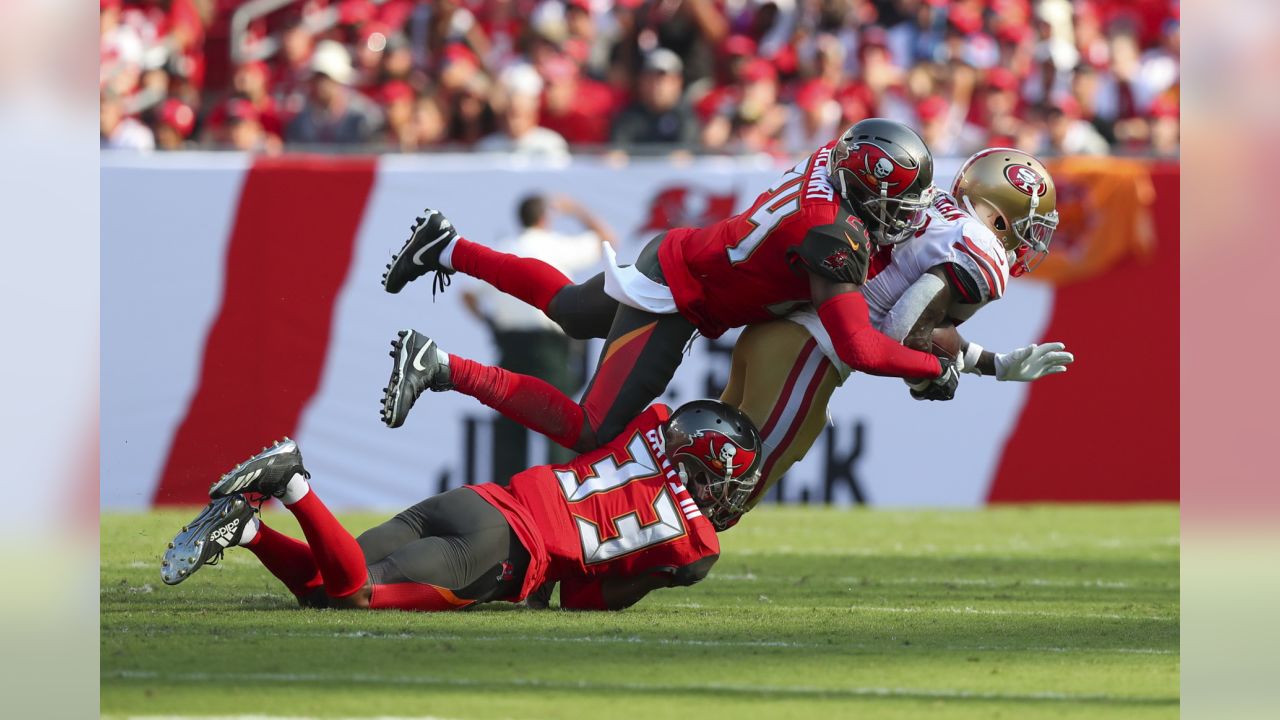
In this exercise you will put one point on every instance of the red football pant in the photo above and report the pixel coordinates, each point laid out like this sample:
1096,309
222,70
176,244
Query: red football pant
532,281
419,597
335,551
288,559
535,404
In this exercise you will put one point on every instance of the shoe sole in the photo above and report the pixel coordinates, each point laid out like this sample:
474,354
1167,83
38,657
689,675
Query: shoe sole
202,538
390,412
419,225
402,349
235,481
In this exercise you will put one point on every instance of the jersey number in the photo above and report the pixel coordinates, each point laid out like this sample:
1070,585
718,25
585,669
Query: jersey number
781,201
608,475
632,535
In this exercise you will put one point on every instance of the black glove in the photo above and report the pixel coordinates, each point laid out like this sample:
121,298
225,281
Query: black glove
944,386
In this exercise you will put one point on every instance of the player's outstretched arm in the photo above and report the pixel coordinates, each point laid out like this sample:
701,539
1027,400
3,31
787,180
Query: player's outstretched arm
1025,364
620,593
924,306
844,315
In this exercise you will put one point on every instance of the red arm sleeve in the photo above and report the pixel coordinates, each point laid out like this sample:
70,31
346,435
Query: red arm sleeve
866,349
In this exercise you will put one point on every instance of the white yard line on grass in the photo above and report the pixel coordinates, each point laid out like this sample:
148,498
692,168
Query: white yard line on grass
984,582
1016,549
1022,613
272,718
633,640
497,681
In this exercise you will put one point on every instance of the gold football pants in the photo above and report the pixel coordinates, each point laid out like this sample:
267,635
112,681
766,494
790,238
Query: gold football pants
783,382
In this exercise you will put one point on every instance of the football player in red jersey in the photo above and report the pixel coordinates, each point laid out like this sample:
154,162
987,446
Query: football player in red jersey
638,514
996,222
804,241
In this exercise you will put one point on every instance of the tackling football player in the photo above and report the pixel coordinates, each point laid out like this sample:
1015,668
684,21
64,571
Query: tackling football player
638,514
804,241
996,222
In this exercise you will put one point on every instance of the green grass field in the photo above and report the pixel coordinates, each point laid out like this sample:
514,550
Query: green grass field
1055,612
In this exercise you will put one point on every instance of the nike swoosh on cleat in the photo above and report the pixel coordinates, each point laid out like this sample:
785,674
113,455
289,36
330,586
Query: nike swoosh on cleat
417,360
417,257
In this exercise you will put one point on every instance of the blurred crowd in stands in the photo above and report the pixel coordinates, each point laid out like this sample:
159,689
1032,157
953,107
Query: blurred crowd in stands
541,76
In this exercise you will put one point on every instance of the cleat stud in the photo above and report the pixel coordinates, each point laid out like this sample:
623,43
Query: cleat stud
184,528
182,573
170,546
164,564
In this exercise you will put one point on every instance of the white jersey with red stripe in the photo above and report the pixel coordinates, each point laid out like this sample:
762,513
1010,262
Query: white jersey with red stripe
969,253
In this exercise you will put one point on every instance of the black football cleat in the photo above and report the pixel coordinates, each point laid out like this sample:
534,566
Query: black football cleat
201,542
418,367
267,473
428,237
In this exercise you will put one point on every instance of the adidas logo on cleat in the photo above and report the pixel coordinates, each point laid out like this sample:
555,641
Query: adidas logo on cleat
244,480
223,535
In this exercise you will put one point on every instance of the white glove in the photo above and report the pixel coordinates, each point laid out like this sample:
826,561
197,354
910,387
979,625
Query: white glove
1033,362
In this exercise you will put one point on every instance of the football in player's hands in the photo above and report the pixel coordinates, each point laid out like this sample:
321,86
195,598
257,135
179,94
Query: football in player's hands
946,342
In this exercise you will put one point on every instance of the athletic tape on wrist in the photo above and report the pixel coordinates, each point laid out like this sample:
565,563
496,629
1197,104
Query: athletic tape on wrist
971,355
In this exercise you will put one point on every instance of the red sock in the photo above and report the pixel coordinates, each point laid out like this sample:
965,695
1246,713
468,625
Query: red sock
415,596
532,281
336,552
534,403
287,558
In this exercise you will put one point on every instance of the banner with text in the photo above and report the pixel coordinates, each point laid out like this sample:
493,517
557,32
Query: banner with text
241,303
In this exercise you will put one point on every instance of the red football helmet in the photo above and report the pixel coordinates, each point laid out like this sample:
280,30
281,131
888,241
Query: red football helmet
718,452
884,171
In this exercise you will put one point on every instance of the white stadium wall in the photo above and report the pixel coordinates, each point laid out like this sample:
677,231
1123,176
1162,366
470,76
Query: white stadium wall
241,302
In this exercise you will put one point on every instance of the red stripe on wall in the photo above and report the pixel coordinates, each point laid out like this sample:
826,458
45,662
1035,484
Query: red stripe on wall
289,254
1101,432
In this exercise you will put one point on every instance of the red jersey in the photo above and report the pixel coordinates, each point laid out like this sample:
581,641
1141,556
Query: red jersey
743,269
618,511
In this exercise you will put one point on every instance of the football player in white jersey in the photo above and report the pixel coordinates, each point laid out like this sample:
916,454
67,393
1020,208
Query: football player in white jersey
996,223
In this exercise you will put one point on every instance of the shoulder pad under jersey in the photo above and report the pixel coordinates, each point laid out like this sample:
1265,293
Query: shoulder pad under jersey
837,251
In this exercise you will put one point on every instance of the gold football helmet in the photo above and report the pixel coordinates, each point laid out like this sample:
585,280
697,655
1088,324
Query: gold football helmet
1012,193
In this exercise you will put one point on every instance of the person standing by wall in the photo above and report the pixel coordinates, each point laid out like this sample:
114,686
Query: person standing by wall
528,342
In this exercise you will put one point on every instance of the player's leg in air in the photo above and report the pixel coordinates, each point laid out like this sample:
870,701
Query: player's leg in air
445,553
641,353
782,380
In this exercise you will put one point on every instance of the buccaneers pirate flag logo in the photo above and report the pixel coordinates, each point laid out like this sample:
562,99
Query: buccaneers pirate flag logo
719,453
873,166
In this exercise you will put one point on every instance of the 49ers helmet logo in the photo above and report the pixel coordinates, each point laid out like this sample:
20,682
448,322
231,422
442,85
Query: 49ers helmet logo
1026,180
719,453
873,166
